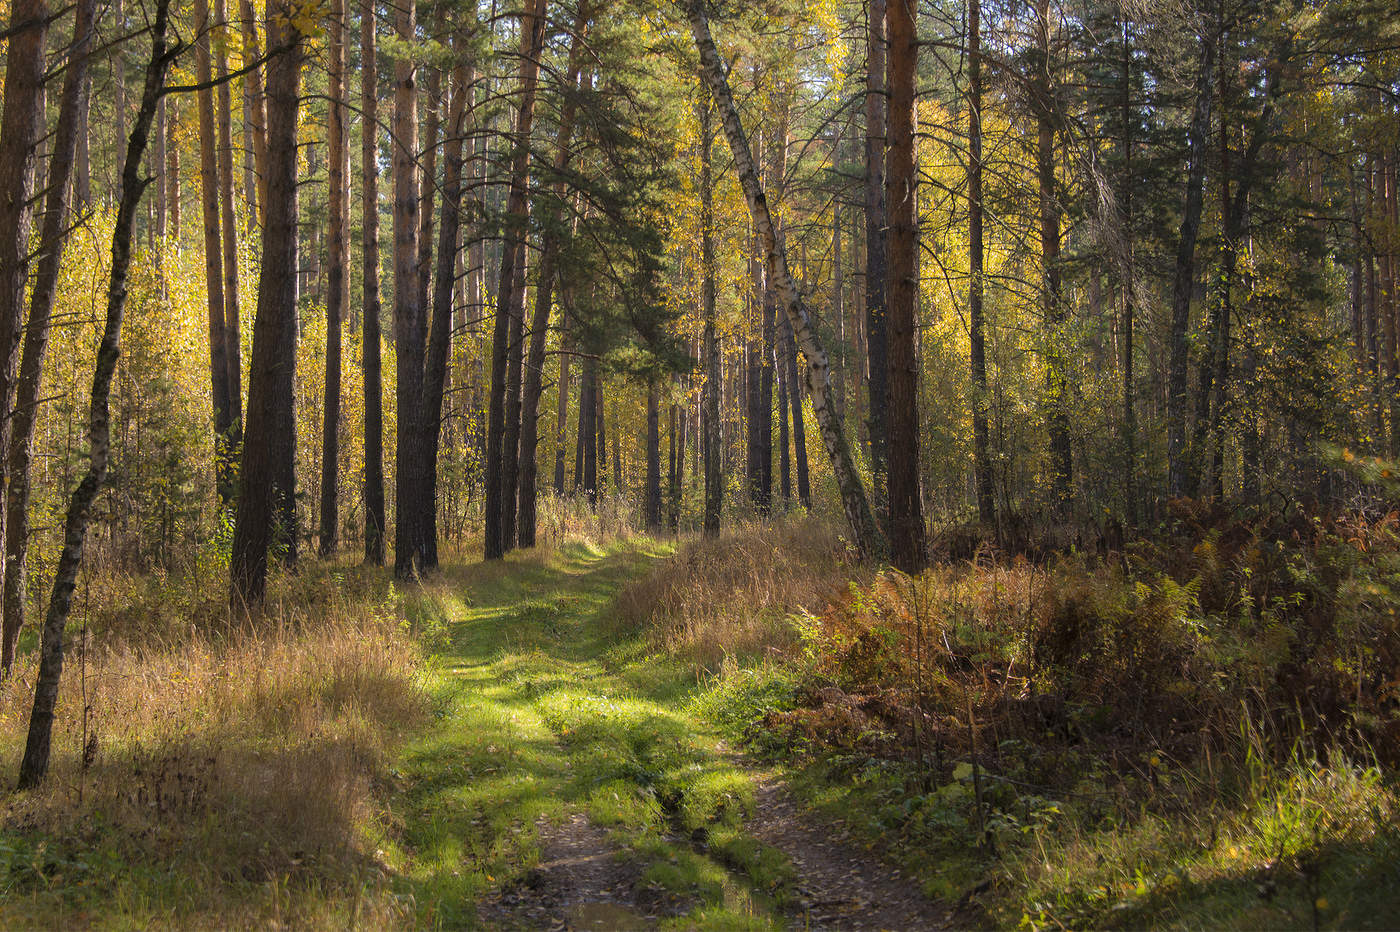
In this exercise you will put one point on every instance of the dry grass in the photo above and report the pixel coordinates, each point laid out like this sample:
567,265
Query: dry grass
232,770
570,518
737,594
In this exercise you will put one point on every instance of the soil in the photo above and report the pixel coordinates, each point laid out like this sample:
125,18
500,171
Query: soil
584,882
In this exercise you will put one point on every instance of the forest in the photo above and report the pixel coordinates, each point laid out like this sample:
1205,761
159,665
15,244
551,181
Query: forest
615,464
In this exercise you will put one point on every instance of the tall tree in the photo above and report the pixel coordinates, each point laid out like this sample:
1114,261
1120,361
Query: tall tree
440,337
710,350
1184,277
20,126
1051,291
213,256
981,446
337,274
544,293
370,336
228,233
52,239
876,233
410,322
500,499
266,514
35,763
906,517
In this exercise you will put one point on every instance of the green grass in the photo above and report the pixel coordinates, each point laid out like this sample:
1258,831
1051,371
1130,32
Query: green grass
540,712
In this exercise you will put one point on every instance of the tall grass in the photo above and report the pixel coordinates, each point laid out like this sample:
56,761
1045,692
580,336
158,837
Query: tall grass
737,594
212,771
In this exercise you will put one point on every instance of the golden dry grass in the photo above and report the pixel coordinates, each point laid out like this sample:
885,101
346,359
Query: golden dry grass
236,766
736,594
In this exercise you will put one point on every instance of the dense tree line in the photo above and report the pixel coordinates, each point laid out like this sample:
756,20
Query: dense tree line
976,263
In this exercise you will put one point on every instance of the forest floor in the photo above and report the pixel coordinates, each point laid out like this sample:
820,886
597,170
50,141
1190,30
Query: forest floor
568,781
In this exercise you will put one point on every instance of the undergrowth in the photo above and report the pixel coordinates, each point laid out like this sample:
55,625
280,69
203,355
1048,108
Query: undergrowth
1198,730
207,771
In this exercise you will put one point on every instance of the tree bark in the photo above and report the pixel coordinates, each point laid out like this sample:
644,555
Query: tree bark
981,445
35,764
1184,278
228,235
20,128
1129,284
267,480
172,163
653,490
370,335
865,533
254,117
440,339
876,240
410,322
1051,291
337,276
213,259
561,424
709,403
52,240
906,517
544,298
500,496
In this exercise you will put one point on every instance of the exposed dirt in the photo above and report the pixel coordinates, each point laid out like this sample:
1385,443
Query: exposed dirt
841,885
581,883
584,882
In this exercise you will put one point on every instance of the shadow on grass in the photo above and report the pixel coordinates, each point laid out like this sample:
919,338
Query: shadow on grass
541,713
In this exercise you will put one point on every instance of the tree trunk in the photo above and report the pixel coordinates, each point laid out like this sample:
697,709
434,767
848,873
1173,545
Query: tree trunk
213,260
172,161
588,430
52,239
976,283
440,340
876,240
409,315
35,764
337,276
370,337
254,116
267,480
562,411
544,298
653,490
20,131
1129,286
500,497
865,532
799,428
1184,278
228,235
428,179
709,411
906,517
1052,298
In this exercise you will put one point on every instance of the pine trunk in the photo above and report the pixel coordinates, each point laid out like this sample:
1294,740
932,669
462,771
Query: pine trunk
267,483
52,240
500,478
370,335
337,277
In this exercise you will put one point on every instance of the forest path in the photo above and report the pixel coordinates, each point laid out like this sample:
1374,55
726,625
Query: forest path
567,784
